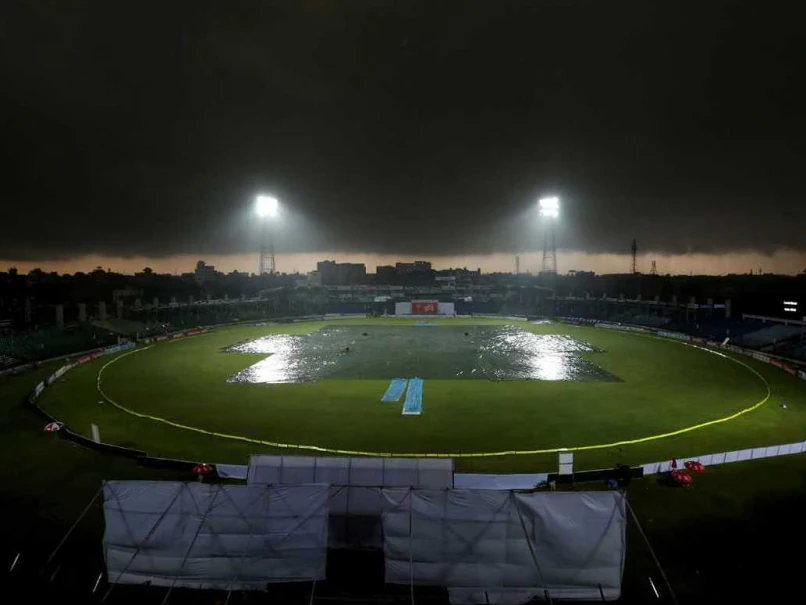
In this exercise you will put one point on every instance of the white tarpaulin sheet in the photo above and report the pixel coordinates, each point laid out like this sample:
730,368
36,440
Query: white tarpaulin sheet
434,473
355,510
232,471
571,544
513,481
213,536
402,308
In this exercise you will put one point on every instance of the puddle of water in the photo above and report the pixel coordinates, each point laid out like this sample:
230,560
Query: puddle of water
441,352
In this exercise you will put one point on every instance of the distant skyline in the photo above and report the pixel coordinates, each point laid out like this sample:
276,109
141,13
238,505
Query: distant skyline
789,262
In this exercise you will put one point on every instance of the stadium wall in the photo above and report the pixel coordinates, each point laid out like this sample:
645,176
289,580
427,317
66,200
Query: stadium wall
756,453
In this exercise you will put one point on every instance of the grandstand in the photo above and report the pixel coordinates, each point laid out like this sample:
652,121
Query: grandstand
769,336
653,321
124,327
798,352
52,342
167,318
705,321
714,328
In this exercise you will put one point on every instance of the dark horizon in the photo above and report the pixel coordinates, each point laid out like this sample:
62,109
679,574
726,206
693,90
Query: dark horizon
411,130
644,268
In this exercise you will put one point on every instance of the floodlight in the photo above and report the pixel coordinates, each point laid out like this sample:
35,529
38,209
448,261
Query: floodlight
549,207
266,206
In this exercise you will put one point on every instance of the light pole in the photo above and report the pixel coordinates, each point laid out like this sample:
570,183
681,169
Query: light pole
549,208
266,208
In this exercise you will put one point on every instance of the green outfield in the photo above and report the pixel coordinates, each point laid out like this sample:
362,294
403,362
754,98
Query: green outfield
662,387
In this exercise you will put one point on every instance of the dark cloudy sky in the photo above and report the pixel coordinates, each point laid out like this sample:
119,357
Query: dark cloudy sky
145,128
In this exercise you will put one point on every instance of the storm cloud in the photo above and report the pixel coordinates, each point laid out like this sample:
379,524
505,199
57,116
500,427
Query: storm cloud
134,128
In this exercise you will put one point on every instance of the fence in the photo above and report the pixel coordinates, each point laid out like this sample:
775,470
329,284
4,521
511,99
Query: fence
756,453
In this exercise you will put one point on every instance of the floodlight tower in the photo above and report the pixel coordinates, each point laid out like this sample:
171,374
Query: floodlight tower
266,208
549,208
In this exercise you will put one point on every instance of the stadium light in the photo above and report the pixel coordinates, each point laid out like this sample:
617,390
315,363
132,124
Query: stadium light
266,206
549,207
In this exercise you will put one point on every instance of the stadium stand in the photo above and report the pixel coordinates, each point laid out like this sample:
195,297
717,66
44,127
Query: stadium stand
652,321
793,348
171,318
124,327
769,336
799,352
52,342
715,328
7,361
346,308
468,308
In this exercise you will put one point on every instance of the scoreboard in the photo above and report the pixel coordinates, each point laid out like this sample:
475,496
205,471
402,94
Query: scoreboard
424,307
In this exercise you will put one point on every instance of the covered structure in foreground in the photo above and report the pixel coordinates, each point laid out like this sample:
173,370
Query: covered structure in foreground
482,545
356,486
496,546
229,537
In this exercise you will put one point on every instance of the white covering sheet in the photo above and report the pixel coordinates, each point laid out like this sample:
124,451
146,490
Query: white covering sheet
571,544
213,536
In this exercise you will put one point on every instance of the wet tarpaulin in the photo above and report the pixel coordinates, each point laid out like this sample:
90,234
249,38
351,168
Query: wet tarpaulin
395,390
442,352
413,406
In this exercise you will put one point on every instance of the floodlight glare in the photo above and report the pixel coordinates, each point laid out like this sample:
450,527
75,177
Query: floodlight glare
266,205
549,207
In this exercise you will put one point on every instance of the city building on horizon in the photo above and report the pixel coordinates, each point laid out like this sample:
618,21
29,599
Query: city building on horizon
331,273
205,273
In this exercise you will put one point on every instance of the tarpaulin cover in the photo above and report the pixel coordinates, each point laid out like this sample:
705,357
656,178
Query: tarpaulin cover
356,503
213,536
395,390
571,544
511,481
433,473
232,471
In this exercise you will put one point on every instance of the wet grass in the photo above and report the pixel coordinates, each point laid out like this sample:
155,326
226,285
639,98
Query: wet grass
664,386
